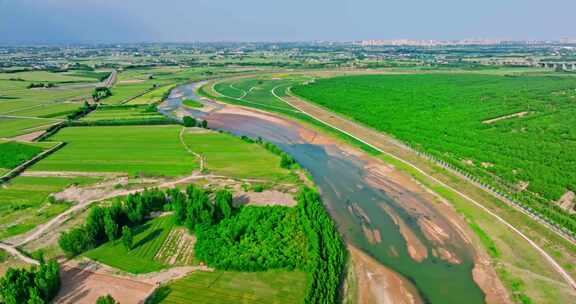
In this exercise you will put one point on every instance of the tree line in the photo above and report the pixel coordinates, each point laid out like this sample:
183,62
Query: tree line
37,285
286,161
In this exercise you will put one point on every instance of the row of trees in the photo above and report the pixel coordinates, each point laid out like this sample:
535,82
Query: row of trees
34,85
82,111
105,224
37,285
190,122
327,253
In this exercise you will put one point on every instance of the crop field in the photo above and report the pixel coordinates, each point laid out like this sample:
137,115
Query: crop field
123,92
151,97
24,110
177,249
235,287
257,90
43,76
148,150
25,204
148,240
228,155
121,113
14,153
11,127
515,132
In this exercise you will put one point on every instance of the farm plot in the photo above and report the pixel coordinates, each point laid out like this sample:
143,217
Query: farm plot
144,150
235,287
257,91
123,92
25,203
178,248
149,238
151,97
122,113
228,155
14,153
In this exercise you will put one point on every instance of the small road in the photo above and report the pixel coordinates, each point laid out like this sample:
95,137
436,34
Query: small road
111,80
16,253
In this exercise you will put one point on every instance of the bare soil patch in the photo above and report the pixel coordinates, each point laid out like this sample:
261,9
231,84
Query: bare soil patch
265,198
514,115
28,137
378,284
567,202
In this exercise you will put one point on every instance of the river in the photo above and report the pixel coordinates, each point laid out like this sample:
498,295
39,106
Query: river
396,225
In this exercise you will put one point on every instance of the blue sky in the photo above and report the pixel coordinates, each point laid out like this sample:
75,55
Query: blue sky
268,20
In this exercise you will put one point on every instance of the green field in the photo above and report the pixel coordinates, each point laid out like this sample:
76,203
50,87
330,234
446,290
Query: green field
43,76
229,155
123,92
148,239
235,287
25,204
122,113
257,91
448,116
151,97
192,103
14,153
148,150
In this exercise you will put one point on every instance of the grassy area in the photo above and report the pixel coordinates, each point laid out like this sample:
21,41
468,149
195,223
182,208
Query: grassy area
14,153
235,287
25,202
148,240
10,127
228,155
148,150
123,92
122,113
512,132
192,103
151,97
44,76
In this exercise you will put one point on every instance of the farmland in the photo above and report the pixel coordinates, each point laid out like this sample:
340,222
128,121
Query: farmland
147,150
446,115
235,287
149,238
25,202
14,153
230,156
115,113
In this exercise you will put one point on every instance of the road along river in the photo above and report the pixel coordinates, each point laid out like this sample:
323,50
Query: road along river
380,211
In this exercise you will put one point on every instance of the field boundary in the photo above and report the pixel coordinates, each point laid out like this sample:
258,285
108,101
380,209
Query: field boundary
16,171
544,254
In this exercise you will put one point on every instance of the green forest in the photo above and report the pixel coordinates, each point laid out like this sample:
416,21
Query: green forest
515,133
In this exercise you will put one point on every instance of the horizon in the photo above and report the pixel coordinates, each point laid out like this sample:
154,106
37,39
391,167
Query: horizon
177,21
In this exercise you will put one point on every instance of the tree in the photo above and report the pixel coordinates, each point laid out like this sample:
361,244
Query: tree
107,299
224,201
204,124
127,237
34,297
110,225
189,121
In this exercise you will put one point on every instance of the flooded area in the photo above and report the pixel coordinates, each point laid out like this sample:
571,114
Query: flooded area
381,212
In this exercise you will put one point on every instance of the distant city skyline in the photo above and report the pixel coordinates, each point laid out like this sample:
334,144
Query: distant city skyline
94,21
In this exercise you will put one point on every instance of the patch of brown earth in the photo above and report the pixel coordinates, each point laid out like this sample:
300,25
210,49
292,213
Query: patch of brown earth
445,255
432,231
128,81
416,249
81,286
28,137
522,185
178,248
265,198
567,202
487,279
514,115
378,284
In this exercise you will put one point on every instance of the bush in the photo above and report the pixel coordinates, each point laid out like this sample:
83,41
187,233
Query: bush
189,121
34,285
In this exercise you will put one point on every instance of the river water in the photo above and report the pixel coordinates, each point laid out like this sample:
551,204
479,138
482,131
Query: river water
367,214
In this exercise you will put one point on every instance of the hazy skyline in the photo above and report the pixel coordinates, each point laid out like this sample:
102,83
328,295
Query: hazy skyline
62,21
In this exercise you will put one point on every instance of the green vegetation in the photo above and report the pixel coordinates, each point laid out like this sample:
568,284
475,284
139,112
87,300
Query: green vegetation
192,103
448,116
13,153
223,287
148,150
26,202
138,256
124,113
107,299
100,93
35,286
231,156
255,239
153,97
